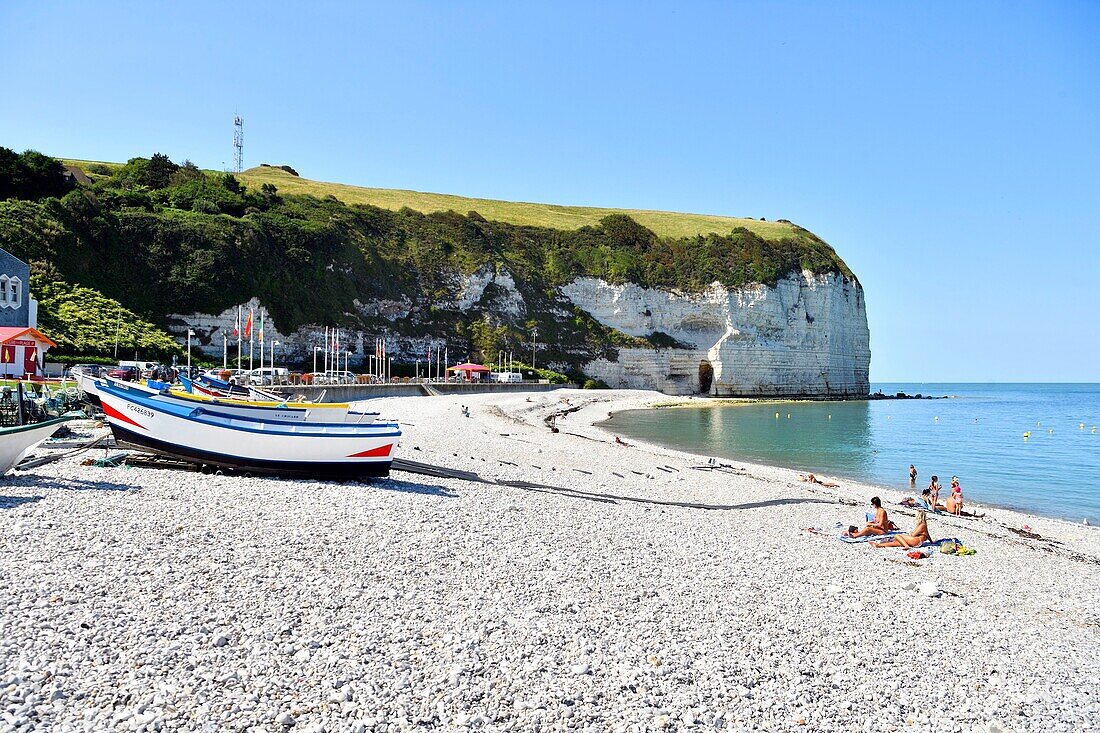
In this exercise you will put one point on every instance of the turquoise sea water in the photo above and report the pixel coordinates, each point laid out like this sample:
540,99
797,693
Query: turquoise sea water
977,435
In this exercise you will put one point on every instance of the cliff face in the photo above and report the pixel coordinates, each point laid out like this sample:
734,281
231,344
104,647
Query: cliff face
806,336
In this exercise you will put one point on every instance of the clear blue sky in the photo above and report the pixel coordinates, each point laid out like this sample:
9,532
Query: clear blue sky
949,151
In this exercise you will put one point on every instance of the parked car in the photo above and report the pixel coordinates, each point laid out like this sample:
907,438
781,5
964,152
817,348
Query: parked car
92,370
128,373
333,377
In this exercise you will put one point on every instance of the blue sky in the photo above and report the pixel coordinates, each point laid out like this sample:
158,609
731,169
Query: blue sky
949,151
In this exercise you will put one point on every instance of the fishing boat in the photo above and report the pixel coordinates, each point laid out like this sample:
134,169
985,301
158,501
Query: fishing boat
85,380
204,434
326,412
261,403
16,442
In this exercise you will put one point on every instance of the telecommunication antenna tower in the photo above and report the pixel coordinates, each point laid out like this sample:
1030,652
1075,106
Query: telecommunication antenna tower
238,143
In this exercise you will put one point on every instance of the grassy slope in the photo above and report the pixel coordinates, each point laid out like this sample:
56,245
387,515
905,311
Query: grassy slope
663,223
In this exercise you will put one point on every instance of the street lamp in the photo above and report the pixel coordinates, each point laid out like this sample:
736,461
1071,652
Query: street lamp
190,333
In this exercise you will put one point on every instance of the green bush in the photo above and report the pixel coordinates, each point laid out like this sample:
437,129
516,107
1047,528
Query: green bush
595,384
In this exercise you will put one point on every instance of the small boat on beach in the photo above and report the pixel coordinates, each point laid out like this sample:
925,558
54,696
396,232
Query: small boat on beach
211,435
85,377
261,405
17,441
325,412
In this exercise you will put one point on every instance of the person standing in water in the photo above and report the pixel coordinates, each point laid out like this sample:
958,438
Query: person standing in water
912,475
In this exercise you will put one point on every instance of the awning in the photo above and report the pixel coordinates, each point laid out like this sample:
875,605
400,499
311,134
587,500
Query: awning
10,333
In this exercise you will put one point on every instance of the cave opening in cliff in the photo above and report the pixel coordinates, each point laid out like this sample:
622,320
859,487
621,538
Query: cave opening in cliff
706,376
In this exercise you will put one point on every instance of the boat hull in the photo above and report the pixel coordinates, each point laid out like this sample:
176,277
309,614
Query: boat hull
202,435
289,469
17,442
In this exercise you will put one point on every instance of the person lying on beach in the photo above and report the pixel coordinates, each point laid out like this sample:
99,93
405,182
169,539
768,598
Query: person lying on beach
879,525
815,480
620,441
917,537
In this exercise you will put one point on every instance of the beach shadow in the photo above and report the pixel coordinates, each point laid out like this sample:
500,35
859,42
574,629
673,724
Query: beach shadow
615,498
67,484
11,502
408,487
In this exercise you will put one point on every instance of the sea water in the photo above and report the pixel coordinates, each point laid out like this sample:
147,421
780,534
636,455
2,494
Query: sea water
977,434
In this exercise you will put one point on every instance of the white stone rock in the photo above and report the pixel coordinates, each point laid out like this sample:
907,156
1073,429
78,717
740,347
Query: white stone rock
807,335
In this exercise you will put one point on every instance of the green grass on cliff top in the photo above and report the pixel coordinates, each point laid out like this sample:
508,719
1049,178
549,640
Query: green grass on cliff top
663,223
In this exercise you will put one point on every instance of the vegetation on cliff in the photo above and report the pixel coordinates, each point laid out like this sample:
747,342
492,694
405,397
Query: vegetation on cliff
165,238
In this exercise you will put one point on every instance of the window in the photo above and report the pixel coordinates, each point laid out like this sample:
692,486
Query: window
4,290
15,292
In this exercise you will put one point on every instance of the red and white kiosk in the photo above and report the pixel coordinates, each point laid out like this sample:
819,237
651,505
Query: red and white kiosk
22,352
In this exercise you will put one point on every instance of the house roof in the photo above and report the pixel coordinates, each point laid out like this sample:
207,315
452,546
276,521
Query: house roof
8,333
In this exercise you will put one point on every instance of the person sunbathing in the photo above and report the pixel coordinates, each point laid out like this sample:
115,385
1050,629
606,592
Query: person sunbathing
815,480
879,525
917,537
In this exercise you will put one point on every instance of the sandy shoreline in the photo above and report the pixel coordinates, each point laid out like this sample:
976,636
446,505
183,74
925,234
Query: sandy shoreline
141,599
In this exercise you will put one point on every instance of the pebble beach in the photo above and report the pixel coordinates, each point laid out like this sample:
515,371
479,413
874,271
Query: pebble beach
610,588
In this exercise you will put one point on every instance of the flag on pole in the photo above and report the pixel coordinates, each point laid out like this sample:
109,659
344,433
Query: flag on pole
237,325
261,331
248,327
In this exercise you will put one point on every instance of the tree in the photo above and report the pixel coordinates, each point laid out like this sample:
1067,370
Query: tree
270,194
31,175
159,172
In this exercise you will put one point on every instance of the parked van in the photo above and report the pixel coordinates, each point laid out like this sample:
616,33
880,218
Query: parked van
508,377
142,366
268,375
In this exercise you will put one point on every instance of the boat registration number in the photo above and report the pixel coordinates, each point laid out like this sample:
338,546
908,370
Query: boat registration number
139,410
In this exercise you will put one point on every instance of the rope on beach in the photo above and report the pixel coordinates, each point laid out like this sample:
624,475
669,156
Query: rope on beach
33,462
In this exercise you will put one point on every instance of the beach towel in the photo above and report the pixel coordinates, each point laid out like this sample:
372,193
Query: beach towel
866,538
939,542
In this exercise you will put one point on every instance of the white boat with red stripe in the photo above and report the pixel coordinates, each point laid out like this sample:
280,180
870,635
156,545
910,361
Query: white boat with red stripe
202,434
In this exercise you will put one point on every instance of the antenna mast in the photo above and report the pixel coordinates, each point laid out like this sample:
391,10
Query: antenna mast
238,143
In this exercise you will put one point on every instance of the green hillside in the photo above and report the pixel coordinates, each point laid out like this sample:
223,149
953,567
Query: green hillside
551,216
163,238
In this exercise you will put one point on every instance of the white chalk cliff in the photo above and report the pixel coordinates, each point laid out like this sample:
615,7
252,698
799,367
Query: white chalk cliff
806,336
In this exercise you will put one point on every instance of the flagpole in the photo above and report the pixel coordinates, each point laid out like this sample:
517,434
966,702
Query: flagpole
251,339
225,351
326,351
238,337
261,340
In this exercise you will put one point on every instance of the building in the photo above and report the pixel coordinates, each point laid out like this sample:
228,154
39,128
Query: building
22,347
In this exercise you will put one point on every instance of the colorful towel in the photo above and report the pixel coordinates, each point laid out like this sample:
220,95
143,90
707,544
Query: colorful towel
866,538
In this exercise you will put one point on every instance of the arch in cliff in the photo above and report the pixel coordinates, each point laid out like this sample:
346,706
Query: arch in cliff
706,376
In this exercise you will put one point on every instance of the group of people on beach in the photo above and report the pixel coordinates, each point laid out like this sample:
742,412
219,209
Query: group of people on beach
930,497
879,524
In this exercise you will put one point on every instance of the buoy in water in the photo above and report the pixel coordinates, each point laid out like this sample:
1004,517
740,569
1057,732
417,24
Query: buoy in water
1094,428
1038,423
1050,431
777,416
830,417
1027,435
788,416
1082,426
